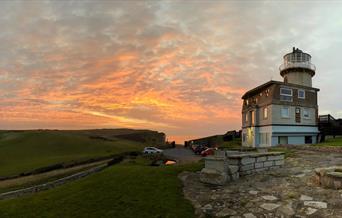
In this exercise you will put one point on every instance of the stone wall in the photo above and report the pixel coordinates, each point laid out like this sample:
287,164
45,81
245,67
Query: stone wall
227,166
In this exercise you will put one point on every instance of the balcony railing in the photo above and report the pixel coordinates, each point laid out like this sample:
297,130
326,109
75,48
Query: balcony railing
306,65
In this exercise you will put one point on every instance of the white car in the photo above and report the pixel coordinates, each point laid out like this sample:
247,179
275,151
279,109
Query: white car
152,150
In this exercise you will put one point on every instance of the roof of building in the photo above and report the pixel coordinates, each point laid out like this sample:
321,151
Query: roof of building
257,89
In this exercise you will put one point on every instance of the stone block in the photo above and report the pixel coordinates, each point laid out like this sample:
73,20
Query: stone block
260,169
234,176
275,157
220,153
274,167
247,167
233,161
212,176
216,164
261,159
247,160
258,165
232,169
279,162
268,163
244,173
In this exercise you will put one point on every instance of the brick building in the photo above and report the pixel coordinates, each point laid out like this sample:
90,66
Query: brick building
283,112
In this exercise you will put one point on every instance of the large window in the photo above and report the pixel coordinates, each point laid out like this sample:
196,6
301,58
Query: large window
264,138
265,112
285,112
301,93
285,94
306,113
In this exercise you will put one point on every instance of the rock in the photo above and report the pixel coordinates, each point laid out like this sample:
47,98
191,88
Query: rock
253,192
305,198
269,197
212,176
316,204
299,175
207,207
226,212
269,206
249,215
310,211
286,210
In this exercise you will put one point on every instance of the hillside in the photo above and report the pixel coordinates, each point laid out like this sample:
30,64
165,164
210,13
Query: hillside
22,151
123,190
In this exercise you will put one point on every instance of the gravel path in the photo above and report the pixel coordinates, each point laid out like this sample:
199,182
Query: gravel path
287,192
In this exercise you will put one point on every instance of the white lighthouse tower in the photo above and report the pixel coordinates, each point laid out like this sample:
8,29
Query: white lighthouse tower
297,68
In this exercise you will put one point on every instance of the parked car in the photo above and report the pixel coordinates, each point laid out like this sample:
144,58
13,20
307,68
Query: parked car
208,151
152,150
199,149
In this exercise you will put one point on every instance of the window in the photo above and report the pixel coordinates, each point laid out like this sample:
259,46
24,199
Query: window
285,94
265,112
285,112
243,137
246,117
308,139
252,117
264,138
306,113
301,93
282,140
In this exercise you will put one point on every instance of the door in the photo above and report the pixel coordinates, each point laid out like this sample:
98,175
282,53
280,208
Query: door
250,137
282,140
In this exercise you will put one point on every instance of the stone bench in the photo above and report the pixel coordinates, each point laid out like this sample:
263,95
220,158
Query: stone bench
227,166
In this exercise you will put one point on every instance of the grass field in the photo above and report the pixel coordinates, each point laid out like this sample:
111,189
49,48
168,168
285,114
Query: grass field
331,142
122,191
28,150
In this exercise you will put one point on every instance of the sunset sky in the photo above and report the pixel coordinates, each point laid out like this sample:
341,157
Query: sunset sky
175,66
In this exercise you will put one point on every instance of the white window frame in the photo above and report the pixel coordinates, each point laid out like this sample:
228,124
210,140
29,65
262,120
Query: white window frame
301,90
288,112
265,109
286,95
308,113
283,88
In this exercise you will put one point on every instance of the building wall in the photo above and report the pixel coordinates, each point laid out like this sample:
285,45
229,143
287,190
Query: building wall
300,78
278,119
295,134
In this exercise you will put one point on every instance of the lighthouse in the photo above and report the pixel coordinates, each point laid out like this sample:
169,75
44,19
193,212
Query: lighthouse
297,68
283,112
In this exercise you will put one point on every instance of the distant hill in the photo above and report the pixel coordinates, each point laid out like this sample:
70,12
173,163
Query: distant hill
25,150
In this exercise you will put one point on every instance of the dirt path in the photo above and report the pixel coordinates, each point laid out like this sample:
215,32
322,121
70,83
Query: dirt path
287,192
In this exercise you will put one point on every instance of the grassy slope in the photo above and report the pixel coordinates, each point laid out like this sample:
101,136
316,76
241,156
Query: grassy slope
24,151
331,142
124,190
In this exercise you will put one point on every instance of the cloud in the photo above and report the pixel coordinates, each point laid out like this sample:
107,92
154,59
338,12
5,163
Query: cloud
179,67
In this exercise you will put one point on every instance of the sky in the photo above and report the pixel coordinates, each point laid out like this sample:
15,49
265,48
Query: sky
179,67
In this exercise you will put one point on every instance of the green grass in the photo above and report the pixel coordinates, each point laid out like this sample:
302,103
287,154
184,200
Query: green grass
121,191
235,143
331,142
28,150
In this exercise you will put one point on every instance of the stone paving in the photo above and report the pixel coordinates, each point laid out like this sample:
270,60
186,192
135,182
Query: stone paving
286,192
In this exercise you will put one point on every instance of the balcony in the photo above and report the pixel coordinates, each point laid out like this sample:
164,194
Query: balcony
304,65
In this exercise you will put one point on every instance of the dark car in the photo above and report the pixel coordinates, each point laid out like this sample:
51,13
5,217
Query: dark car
199,149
